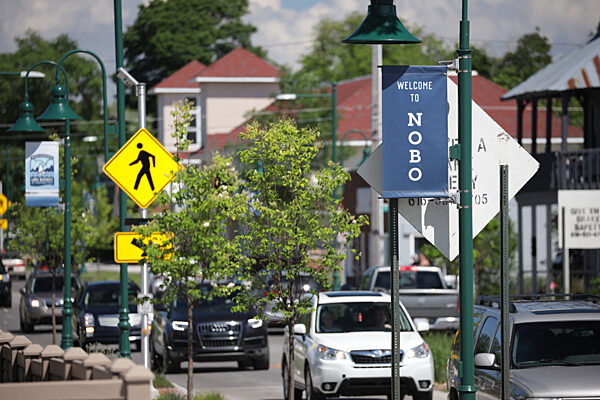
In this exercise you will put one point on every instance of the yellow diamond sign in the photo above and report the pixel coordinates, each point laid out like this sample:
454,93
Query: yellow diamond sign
128,245
142,168
3,203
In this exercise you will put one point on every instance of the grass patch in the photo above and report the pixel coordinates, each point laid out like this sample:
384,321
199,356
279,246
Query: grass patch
92,275
160,381
440,343
202,396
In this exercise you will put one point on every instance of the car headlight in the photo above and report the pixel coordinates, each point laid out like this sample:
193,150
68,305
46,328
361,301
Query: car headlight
5,277
421,351
255,323
34,303
179,325
326,353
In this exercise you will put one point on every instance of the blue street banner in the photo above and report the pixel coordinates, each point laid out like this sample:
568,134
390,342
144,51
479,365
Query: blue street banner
41,174
415,131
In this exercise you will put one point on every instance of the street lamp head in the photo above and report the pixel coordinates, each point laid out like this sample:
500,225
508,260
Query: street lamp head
26,122
59,106
381,26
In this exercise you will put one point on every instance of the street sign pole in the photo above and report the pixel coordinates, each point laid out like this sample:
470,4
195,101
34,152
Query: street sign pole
504,281
465,215
395,298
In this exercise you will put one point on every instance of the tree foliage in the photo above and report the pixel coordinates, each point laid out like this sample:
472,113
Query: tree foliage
486,257
200,251
166,35
293,220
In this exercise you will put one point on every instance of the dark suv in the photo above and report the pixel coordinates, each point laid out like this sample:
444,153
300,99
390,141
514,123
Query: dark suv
554,348
219,335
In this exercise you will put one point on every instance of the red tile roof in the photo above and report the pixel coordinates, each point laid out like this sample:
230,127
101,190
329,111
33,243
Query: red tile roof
240,63
487,94
181,78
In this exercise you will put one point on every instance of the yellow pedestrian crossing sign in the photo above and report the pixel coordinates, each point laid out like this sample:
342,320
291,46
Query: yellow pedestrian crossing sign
142,168
128,245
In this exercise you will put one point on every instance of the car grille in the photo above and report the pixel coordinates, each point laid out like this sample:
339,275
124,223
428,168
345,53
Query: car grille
112,320
372,356
57,303
219,334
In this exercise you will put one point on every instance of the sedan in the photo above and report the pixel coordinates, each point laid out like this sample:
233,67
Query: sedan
96,314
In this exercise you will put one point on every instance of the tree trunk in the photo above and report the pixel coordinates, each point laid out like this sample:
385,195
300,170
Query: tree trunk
53,307
291,366
190,372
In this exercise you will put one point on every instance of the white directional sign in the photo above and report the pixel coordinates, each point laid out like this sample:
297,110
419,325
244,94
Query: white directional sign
437,219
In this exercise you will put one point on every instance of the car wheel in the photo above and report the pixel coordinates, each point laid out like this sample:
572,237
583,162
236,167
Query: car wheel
155,358
169,366
423,395
285,377
262,362
312,393
25,327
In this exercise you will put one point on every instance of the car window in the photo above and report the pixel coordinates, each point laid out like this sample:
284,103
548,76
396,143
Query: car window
556,343
366,279
357,317
410,278
477,316
497,345
44,284
485,336
106,295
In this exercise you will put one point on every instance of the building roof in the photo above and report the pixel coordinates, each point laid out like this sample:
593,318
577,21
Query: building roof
488,96
180,79
579,69
239,63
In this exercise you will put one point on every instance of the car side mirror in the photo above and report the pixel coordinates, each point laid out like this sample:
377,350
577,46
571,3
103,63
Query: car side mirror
485,360
300,329
422,324
22,290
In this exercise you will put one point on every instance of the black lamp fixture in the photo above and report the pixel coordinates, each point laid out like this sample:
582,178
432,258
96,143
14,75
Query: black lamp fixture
59,106
381,26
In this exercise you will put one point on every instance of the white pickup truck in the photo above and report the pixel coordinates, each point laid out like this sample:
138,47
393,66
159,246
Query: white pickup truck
423,291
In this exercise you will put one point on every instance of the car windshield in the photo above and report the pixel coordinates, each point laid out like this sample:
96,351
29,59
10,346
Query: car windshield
44,284
357,317
106,295
410,278
556,343
207,301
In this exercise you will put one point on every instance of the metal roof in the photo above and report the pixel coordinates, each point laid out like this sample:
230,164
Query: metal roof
579,69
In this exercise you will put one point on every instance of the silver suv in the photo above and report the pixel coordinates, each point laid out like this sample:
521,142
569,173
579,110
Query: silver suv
554,348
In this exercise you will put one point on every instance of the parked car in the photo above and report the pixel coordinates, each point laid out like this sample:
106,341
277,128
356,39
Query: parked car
554,348
96,314
343,348
15,265
219,335
5,287
423,291
35,306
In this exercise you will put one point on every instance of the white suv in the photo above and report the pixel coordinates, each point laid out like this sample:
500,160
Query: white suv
343,347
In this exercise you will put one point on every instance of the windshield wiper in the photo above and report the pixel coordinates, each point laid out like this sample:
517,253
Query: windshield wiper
560,362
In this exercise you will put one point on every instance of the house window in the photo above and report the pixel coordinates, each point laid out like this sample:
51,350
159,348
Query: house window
193,130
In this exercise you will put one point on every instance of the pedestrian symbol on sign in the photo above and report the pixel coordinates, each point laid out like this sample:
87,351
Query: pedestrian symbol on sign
144,158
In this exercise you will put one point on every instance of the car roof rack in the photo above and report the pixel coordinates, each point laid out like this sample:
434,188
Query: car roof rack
494,300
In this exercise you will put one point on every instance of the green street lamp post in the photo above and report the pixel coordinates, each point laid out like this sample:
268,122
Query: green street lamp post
124,326
381,26
366,149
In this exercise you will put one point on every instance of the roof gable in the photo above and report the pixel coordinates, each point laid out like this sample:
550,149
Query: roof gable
240,63
180,79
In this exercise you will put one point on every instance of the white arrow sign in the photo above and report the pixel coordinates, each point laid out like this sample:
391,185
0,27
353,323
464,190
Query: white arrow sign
436,219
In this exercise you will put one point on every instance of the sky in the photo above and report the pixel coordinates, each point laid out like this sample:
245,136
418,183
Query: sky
286,27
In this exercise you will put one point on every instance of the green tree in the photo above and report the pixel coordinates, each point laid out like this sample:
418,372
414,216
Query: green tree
166,35
486,257
532,54
39,233
294,216
199,252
